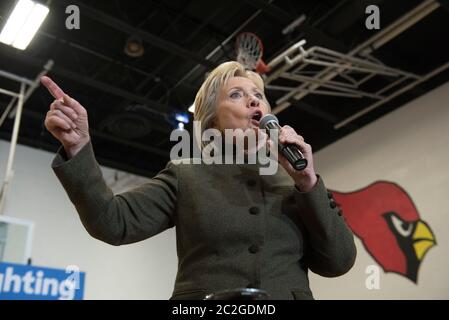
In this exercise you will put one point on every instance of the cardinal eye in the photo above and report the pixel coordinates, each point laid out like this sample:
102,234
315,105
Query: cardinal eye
403,228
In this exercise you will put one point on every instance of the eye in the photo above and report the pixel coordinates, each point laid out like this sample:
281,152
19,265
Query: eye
259,95
235,95
402,227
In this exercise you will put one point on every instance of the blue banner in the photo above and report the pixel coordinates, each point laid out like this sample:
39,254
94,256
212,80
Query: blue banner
24,282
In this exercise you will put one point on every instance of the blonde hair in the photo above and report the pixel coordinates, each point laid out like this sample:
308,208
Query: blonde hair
207,96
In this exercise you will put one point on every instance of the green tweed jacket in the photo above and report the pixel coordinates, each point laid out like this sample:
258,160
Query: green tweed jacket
234,227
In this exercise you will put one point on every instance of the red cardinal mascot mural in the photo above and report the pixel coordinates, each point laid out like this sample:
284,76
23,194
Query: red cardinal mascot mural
385,219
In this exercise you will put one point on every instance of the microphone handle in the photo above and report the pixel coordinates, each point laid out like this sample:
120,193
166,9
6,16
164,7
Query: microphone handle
290,151
294,156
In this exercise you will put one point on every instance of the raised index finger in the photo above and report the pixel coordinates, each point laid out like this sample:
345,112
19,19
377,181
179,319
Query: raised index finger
52,87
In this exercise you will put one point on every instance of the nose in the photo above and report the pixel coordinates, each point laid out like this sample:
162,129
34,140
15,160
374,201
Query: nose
254,102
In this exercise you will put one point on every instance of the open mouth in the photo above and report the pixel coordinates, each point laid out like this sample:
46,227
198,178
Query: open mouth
256,116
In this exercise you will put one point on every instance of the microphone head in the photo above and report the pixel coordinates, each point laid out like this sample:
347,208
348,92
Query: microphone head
266,119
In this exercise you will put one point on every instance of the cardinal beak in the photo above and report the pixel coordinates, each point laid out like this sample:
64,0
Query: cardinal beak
423,239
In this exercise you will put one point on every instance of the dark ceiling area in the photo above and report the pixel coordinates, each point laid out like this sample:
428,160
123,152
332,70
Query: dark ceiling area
131,101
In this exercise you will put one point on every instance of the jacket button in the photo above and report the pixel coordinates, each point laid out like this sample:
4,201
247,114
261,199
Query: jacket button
332,204
329,195
253,248
340,212
254,210
251,182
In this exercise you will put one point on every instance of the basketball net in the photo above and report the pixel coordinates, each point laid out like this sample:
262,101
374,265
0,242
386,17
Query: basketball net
249,50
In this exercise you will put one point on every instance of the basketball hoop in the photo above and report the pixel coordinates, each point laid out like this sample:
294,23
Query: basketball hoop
249,50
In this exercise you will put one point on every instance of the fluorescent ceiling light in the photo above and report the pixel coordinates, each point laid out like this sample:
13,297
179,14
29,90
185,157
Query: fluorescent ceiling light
23,23
192,108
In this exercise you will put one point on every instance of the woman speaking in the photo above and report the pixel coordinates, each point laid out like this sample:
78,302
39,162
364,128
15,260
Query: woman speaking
235,228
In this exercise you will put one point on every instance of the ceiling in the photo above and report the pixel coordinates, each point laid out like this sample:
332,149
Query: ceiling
131,101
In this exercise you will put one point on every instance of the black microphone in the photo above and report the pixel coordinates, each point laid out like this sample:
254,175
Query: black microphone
290,151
